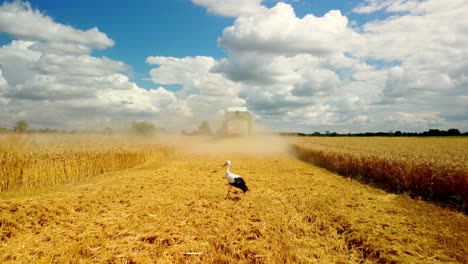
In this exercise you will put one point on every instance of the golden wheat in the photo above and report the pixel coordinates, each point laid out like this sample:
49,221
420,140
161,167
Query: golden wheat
174,211
433,169
45,160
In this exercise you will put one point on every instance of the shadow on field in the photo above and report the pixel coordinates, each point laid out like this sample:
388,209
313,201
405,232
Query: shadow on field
234,199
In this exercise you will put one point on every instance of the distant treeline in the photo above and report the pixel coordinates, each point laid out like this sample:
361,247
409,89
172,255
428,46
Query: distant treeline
429,133
54,131
139,127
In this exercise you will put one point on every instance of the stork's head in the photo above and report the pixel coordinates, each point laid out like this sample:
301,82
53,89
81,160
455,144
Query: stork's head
228,163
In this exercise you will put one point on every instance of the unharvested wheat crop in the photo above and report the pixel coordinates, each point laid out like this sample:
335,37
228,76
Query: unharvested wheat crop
433,169
46,160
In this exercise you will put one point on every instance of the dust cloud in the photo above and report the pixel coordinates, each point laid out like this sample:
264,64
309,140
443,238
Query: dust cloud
256,145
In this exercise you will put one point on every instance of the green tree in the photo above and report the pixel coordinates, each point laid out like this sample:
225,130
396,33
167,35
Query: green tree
143,128
204,129
453,132
21,126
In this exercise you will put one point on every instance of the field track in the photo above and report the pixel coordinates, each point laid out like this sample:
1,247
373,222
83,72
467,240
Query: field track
175,211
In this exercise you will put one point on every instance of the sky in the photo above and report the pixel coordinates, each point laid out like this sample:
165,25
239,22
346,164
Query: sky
298,65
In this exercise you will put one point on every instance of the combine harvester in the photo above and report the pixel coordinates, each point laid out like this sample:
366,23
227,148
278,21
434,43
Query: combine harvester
237,122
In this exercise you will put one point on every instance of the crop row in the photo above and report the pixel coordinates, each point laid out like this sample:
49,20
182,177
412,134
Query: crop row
420,175
39,165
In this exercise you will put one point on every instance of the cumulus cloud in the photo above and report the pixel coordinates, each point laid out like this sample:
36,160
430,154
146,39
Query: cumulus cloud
405,6
316,82
416,120
361,119
3,83
371,6
411,61
49,77
193,73
404,71
427,41
296,70
280,31
204,91
20,20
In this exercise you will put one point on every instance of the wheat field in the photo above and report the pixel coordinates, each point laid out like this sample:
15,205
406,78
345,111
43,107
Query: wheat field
46,160
173,210
433,169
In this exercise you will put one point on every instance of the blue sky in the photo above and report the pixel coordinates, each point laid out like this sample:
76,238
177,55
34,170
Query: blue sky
298,65
141,28
176,28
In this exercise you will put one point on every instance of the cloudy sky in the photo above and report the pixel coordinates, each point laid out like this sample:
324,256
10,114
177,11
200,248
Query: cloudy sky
297,65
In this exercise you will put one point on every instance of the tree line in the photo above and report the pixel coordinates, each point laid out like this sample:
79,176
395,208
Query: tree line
430,133
147,128
138,127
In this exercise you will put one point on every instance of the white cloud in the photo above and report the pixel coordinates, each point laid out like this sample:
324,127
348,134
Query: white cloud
81,65
231,8
3,83
280,31
404,72
413,62
310,116
371,6
16,60
427,41
20,20
60,48
429,30
315,82
49,77
407,6
297,70
360,119
40,76
416,120
193,73
204,92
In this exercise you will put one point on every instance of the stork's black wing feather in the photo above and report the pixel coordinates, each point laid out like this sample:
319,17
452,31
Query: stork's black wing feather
240,183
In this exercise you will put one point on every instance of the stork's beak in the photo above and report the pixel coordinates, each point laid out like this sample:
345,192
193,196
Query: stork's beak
224,165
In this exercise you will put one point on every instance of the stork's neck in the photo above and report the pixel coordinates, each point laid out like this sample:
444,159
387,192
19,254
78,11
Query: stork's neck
228,167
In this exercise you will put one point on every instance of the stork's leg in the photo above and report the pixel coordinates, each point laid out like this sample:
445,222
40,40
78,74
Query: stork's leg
229,189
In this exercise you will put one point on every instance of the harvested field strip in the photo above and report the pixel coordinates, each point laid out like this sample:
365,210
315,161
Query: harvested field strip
175,212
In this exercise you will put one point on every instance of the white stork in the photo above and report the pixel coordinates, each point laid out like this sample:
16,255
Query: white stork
234,179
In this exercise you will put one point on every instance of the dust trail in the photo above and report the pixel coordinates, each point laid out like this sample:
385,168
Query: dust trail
258,146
